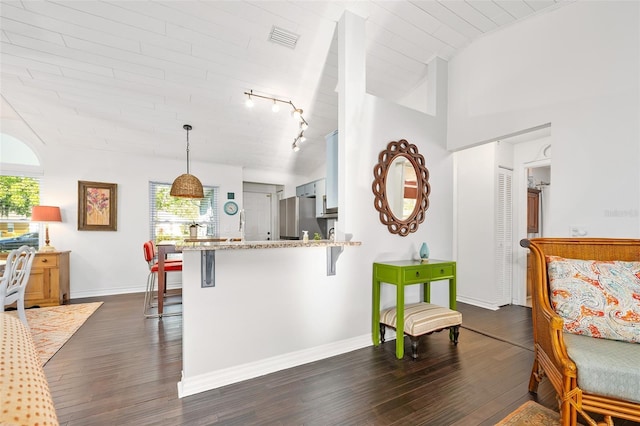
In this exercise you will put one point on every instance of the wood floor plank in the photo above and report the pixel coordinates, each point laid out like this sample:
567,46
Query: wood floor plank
123,369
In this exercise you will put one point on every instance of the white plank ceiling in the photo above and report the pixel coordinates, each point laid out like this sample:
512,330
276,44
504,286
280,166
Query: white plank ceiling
126,75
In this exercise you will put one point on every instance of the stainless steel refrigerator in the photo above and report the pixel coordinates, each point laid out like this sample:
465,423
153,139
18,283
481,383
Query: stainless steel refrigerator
297,214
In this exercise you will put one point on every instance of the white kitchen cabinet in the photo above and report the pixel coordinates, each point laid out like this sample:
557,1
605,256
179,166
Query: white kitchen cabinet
306,190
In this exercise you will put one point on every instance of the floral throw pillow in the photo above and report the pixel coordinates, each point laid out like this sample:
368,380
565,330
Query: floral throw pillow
596,298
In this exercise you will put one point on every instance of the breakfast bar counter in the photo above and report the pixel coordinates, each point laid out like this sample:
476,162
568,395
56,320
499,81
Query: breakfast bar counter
254,307
208,245
216,244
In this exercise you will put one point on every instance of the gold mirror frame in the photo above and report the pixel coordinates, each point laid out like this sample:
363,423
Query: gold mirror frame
402,227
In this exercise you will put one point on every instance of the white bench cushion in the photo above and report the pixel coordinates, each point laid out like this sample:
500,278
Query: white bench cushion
422,318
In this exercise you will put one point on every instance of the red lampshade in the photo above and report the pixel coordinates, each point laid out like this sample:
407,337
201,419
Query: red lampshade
45,214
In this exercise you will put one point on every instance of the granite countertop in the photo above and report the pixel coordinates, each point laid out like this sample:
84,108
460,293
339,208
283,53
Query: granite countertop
203,244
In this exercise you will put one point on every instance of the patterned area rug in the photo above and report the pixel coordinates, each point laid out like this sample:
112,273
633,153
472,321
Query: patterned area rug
52,326
531,413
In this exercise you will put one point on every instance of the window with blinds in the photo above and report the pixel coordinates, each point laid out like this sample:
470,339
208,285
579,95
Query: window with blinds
170,217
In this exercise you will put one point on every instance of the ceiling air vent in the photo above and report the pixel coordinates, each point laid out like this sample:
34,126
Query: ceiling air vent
283,37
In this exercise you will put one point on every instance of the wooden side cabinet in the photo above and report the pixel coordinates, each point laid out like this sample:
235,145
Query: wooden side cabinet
49,280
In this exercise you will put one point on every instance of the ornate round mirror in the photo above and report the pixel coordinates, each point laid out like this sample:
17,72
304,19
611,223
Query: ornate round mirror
401,187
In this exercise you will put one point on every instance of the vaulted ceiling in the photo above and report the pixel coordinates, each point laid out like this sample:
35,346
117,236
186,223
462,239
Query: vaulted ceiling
126,75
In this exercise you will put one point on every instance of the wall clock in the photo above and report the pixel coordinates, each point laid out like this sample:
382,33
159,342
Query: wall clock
230,208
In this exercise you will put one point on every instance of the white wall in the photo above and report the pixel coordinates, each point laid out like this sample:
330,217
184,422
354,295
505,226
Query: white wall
367,125
577,68
475,210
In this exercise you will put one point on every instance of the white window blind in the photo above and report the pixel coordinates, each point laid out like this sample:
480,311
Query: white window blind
170,217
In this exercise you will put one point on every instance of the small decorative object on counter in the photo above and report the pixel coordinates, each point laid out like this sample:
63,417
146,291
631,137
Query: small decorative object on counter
305,236
193,230
332,234
424,252
316,236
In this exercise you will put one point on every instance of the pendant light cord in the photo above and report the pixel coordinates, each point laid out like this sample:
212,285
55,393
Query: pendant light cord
187,128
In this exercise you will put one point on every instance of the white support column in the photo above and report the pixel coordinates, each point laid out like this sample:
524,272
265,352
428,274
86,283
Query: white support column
351,91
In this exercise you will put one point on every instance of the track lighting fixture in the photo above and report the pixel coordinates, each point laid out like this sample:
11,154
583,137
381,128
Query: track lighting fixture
295,113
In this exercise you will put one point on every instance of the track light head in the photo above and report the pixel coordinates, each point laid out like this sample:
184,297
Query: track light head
249,102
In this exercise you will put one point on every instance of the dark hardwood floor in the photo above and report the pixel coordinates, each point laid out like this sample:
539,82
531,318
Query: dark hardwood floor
122,369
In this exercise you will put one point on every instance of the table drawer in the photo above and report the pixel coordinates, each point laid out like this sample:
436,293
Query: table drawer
418,274
439,272
386,275
45,261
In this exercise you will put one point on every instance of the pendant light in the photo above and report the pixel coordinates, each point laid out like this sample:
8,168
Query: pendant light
187,185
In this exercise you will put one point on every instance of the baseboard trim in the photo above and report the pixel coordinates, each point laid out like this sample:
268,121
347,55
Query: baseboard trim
116,291
215,379
478,303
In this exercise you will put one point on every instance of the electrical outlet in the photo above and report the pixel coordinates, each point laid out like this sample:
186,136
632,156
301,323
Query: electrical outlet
578,231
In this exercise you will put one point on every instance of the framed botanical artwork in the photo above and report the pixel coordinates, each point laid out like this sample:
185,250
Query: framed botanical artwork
97,206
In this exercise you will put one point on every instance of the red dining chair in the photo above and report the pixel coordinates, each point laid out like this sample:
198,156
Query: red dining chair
170,265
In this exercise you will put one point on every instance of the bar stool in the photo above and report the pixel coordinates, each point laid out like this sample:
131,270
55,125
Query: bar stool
170,265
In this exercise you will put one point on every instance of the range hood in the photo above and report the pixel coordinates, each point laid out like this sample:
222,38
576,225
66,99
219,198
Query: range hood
331,213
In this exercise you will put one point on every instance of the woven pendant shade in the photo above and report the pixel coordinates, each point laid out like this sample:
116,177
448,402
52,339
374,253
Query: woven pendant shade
187,186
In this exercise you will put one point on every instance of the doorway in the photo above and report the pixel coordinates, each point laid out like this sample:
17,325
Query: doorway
538,189
259,202
532,192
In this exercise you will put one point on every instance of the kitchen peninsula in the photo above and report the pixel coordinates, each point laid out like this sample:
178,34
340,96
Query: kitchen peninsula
266,309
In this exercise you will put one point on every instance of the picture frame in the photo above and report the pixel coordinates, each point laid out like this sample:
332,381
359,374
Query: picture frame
97,206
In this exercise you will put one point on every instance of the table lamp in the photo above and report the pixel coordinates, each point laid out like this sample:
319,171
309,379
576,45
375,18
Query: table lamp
46,214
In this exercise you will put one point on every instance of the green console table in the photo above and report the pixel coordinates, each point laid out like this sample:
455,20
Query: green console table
407,272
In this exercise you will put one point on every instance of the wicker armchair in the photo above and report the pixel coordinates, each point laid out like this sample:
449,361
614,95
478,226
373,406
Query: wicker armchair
551,358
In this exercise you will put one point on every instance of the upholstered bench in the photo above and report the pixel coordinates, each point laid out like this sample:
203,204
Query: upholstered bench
420,319
25,398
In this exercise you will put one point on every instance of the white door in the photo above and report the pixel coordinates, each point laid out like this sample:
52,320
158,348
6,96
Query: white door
504,223
258,216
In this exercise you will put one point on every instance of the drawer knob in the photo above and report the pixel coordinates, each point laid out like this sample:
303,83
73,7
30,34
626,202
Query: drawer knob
442,271
417,273
44,260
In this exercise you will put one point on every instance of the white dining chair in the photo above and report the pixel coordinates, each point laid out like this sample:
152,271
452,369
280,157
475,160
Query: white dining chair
15,278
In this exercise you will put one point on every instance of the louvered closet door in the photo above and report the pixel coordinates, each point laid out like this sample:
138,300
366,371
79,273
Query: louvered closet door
504,249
